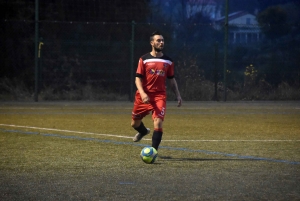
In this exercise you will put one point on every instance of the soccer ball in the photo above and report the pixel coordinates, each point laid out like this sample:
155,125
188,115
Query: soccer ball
148,154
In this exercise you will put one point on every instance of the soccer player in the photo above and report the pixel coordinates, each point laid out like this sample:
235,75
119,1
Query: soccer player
151,74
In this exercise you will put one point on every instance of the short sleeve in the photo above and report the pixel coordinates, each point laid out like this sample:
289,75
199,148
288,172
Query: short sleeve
170,73
141,68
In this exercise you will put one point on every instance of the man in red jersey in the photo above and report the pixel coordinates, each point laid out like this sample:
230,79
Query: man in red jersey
151,74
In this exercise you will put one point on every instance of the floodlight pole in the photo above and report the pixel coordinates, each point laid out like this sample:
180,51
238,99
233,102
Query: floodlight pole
225,49
36,48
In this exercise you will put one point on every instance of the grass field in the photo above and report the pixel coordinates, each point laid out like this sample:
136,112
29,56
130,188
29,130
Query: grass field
210,151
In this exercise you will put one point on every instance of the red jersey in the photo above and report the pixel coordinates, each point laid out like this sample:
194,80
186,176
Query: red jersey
154,71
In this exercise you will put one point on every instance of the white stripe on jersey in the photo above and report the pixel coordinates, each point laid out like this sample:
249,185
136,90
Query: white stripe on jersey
158,60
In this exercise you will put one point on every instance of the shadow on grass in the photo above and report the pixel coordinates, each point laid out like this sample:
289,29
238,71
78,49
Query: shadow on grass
204,159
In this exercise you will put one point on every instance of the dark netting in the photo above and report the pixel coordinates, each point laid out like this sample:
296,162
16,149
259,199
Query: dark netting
86,53
81,54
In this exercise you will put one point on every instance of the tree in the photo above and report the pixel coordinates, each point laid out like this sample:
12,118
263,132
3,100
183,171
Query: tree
263,4
273,22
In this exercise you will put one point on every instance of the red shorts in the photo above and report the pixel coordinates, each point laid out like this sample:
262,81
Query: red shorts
157,106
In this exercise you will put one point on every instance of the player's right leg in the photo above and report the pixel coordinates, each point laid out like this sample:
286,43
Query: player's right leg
139,126
139,111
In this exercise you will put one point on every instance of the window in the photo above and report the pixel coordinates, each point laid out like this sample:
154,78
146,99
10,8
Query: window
248,20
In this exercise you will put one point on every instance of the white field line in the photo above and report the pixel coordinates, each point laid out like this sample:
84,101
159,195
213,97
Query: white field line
68,131
121,136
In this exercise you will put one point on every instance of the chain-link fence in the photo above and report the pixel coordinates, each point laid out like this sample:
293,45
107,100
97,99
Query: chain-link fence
97,60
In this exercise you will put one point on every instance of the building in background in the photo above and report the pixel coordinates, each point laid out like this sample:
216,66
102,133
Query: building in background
243,27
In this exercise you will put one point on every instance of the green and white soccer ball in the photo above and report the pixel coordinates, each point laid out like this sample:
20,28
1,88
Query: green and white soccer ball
148,155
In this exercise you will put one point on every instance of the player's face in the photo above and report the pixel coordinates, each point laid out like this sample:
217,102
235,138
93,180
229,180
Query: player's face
158,43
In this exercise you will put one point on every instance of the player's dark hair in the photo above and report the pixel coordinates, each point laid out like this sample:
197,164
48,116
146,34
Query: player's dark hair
153,34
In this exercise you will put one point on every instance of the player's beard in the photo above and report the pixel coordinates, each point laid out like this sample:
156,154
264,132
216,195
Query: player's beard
158,49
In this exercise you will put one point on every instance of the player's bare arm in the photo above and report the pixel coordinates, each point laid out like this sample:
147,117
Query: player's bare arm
139,86
174,88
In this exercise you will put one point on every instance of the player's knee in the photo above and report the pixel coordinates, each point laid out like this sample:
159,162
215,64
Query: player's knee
158,123
135,123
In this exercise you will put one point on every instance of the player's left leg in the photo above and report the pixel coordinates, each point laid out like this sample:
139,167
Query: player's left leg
157,133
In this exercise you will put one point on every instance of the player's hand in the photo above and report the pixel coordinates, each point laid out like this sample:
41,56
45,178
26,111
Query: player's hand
145,98
179,100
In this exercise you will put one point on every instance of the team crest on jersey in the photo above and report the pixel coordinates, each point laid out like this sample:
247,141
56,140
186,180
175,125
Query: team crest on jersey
152,71
157,72
165,65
